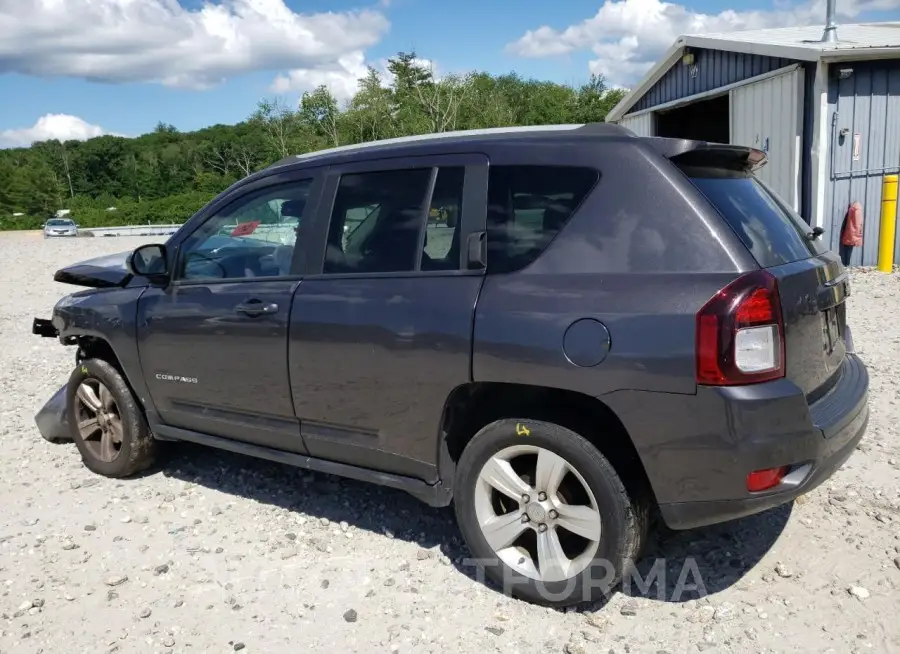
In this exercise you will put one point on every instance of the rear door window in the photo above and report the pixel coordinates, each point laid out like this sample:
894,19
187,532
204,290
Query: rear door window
377,220
772,231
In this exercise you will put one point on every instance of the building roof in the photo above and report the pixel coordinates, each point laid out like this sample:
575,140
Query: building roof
855,41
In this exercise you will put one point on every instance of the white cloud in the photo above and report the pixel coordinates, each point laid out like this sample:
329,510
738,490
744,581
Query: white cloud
341,77
161,41
51,126
628,36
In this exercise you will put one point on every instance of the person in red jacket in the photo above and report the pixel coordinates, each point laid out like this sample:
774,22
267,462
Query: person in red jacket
851,232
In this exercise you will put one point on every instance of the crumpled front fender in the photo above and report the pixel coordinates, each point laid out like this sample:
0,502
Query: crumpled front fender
53,420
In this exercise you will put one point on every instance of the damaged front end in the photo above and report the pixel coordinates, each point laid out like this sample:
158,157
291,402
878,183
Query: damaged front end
45,328
53,418
108,272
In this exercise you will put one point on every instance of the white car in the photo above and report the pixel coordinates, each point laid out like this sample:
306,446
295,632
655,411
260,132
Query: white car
60,227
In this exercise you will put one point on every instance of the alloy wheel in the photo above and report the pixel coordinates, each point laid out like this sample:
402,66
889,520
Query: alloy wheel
99,420
537,513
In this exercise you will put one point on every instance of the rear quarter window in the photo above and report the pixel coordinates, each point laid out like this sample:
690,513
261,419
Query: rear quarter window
527,207
772,231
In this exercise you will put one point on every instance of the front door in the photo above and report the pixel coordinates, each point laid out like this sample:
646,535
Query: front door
213,343
381,335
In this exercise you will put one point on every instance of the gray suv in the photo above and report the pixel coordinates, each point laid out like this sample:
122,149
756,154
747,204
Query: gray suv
612,324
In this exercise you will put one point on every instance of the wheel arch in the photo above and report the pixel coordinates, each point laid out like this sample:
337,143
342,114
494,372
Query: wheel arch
471,406
93,345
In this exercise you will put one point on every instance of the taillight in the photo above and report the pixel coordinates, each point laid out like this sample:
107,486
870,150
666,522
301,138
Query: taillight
740,333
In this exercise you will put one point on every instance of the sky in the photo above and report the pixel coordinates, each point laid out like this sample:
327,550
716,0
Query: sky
82,68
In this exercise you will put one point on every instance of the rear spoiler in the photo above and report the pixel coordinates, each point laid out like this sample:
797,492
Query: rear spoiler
687,152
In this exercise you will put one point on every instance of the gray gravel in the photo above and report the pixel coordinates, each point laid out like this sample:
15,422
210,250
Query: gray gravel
215,553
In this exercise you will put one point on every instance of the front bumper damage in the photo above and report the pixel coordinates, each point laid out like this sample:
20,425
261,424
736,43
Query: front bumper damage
53,419
44,327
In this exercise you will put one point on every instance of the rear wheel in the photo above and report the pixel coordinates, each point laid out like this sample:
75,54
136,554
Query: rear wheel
546,516
108,427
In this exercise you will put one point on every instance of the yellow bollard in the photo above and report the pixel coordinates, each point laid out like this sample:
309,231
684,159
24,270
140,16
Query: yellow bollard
888,227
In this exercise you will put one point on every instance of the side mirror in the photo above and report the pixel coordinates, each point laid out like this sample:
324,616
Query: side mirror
149,261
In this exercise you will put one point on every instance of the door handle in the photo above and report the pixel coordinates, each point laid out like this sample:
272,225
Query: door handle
255,307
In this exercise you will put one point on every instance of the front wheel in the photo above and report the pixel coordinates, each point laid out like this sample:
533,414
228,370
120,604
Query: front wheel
545,514
108,427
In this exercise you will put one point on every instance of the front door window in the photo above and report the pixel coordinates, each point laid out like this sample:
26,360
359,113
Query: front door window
253,237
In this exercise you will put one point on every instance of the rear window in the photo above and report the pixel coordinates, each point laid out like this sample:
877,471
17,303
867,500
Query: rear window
771,230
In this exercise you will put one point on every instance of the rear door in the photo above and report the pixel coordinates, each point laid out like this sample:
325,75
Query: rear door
812,282
381,327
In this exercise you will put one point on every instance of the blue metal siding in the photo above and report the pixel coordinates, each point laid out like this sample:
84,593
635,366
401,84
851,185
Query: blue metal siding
715,68
866,103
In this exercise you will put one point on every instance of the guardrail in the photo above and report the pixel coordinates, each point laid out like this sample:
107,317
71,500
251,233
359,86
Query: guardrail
264,231
132,230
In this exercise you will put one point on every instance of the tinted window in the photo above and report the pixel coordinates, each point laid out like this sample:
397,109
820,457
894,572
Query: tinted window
444,212
527,207
377,220
772,231
252,237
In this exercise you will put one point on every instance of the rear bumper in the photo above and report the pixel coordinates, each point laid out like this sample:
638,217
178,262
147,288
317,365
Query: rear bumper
836,424
697,450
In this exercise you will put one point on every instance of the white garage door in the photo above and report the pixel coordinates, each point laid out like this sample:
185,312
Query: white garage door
642,124
768,115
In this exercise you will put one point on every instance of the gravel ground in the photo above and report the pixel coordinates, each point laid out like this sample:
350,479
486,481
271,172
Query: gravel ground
216,553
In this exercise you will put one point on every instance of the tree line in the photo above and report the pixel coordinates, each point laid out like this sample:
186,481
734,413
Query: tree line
167,175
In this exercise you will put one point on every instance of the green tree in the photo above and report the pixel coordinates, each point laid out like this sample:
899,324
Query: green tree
167,175
320,114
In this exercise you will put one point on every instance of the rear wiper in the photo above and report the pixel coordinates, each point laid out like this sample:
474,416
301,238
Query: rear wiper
814,234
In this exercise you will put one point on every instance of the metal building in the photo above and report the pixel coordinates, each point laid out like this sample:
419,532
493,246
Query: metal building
823,102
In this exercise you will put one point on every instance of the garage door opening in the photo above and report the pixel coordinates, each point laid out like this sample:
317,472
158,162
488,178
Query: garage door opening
706,120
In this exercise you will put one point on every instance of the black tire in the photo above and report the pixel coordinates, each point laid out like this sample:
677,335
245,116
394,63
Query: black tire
624,519
138,450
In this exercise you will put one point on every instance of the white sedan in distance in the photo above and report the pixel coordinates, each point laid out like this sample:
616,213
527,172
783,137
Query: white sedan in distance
60,227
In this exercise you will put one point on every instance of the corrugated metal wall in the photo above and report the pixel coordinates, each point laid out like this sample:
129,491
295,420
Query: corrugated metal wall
715,68
641,125
866,103
769,115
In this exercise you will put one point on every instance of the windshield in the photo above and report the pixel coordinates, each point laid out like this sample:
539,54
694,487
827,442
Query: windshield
59,222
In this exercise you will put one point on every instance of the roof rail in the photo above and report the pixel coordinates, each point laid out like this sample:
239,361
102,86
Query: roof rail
598,129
